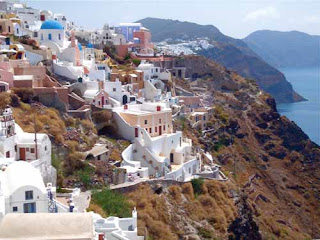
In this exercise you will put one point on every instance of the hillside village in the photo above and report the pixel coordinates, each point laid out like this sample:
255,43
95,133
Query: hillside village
103,132
48,62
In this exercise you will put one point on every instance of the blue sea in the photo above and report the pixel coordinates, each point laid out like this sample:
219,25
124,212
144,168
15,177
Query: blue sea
305,81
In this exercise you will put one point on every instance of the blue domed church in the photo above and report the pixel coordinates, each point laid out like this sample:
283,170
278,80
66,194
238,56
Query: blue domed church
52,31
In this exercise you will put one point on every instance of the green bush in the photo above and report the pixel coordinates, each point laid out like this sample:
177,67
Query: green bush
112,203
136,62
197,184
85,175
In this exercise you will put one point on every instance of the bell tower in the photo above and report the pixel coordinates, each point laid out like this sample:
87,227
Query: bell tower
7,123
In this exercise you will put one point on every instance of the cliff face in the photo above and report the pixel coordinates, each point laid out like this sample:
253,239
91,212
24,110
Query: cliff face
273,190
231,53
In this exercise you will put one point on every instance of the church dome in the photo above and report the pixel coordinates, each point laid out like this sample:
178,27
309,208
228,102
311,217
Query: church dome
50,24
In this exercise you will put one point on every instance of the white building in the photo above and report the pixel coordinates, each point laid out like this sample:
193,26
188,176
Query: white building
151,71
119,93
109,35
22,189
17,145
156,151
114,228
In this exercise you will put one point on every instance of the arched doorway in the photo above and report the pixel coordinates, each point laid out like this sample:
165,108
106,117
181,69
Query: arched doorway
124,99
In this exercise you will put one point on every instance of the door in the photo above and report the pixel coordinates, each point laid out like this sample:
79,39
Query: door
102,100
29,208
171,157
160,130
136,132
22,154
124,99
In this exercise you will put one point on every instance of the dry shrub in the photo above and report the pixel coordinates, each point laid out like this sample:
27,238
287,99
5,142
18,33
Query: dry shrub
102,116
115,155
160,231
25,94
97,209
187,190
207,202
47,121
175,192
142,204
195,210
73,163
72,145
70,122
5,100
88,126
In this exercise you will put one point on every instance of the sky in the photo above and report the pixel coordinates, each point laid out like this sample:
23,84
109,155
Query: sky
235,18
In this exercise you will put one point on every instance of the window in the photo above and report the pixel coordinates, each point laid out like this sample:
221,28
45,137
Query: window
156,129
41,36
7,154
29,207
15,148
160,120
9,29
15,209
145,121
114,89
99,157
164,127
17,31
29,195
2,88
149,130
32,150
49,36
59,36
27,149
45,148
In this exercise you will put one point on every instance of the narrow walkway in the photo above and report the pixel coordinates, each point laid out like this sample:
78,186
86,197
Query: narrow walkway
82,201
127,184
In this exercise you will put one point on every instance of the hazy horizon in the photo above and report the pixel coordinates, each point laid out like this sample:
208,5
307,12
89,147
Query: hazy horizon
233,18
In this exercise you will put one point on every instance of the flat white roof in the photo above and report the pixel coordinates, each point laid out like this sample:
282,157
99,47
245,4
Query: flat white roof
198,113
47,226
23,77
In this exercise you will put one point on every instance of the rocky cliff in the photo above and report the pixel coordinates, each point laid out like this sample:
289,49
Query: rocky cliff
273,191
